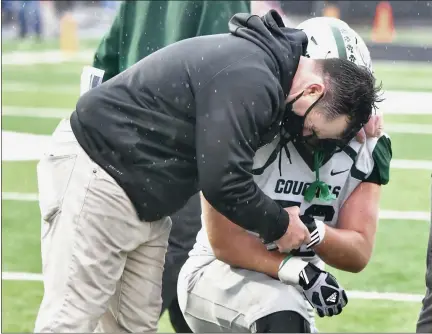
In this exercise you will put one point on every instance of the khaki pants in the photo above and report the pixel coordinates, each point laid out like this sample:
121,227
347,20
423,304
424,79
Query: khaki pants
102,266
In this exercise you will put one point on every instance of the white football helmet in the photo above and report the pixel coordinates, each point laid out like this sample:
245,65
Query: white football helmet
333,38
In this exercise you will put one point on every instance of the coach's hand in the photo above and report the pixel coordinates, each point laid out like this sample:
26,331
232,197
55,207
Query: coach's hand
322,291
297,233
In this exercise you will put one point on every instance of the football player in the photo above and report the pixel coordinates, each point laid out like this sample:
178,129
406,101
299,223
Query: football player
232,283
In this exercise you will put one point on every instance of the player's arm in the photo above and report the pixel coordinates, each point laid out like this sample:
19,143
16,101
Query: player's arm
238,248
349,246
233,245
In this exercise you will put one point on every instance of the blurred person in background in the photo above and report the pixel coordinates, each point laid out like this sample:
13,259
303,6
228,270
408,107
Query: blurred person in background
110,4
7,11
140,28
29,18
424,324
62,7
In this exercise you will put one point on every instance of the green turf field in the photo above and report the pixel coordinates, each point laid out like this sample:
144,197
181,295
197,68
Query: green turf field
396,267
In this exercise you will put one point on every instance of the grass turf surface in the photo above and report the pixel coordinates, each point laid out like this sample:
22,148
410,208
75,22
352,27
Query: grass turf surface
383,274
397,264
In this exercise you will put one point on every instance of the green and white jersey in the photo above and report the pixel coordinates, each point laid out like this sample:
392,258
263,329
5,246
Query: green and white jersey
286,181
343,172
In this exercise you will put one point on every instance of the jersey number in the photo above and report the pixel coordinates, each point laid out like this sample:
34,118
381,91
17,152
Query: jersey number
325,212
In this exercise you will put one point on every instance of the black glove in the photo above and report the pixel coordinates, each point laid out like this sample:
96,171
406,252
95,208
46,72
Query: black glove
322,291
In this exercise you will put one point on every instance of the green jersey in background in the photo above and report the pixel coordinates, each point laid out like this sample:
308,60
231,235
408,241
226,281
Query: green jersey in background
142,27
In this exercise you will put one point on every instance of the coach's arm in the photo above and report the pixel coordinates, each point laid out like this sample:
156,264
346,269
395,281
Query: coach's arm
235,246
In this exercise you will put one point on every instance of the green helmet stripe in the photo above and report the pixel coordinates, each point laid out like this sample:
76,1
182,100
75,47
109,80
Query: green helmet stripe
339,42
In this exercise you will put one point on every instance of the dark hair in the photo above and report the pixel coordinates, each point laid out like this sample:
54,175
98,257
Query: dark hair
350,90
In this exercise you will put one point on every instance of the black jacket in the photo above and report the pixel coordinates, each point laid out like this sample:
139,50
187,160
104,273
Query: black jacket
191,116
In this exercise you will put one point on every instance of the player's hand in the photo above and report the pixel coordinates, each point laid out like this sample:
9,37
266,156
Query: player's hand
373,128
322,291
319,287
297,233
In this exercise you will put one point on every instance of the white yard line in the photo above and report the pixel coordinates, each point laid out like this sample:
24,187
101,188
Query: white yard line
408,128
13,276
405,215
406,103
368,295
384,214
28,58
70,69
394,108
25,197
12,87
411,164
37,112
391,296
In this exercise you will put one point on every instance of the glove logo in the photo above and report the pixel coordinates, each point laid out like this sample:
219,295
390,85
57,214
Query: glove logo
322,291
304,277
332,298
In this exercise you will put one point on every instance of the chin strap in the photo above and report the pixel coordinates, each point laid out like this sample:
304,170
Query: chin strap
320,186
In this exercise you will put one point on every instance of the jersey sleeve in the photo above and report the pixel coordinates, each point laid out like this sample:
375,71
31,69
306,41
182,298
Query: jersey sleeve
216,14
381,155
106,56
142,27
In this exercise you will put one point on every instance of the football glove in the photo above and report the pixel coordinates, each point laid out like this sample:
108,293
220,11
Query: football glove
320,288
322,291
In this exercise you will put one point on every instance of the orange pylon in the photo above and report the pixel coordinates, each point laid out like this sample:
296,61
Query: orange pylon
383,30
331,11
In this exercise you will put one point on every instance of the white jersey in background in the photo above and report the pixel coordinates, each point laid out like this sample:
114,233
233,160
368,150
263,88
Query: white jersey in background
218,292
